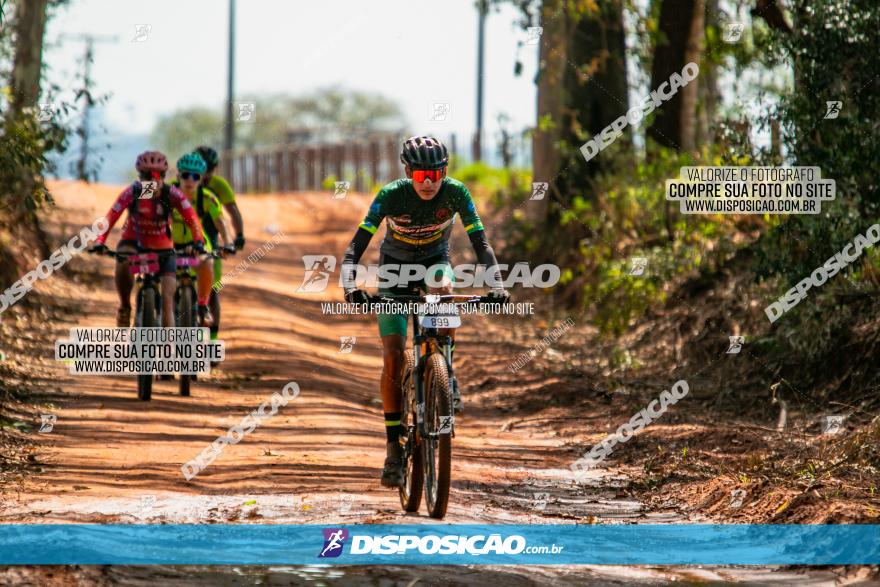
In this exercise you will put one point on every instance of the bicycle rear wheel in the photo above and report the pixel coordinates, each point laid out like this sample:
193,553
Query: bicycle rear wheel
437,447
411,489
186,319
148,318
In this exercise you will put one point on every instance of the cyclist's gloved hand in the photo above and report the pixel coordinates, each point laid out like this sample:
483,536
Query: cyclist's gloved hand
239,242
499,294
98,249
356,296
199,247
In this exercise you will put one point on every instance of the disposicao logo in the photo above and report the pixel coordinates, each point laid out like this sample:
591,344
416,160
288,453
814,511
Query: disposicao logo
334,540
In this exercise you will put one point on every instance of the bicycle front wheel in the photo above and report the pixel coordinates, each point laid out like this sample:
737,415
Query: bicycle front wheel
186,319
437,447
411,488
147,318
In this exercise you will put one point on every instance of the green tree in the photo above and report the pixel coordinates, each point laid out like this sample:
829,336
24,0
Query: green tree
328,113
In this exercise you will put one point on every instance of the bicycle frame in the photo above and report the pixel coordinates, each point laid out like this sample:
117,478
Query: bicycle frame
431,339
186,273
145,266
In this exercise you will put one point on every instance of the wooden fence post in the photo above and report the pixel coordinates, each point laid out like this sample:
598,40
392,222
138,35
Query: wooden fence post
359,170
267,172
245,172
261,176
393,159
375,154
339,162
311,154
290,169
279,171
323,154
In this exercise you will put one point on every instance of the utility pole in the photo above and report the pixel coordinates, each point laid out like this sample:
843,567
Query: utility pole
82,166
229,135
483,7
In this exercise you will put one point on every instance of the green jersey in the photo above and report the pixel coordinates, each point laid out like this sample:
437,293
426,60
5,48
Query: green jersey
418,228
212,210
222,190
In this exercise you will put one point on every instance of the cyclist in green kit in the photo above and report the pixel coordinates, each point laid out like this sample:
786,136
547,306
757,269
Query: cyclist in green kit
221,188
419,211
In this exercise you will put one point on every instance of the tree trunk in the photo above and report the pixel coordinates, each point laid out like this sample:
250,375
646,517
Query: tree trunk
30,26
551,69
681,26
582,89
595,92
708,93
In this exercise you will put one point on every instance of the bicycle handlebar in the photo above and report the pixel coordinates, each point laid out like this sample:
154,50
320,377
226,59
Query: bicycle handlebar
118,255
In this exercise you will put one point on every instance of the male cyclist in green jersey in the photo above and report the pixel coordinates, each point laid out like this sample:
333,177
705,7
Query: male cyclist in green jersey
224,193
190,169
419,212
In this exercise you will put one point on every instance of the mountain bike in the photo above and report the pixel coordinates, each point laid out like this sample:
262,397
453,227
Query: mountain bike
145,265
427,418
186,300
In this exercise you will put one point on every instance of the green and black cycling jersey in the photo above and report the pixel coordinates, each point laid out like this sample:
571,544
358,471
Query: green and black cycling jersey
418,229
208,208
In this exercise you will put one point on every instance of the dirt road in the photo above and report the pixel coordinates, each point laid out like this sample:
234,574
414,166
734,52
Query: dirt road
111,458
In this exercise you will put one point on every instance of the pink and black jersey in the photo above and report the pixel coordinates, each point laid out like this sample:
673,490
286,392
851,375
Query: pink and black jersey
149,226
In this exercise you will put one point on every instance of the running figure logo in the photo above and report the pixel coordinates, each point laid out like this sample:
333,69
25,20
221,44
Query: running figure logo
639,264
334,540
733,32
340,189
439,112
736,344
148,189
47,423
45,114
141,32
346,344
736,498
318,270
541,499
832,424
247,112
534,33
539,190
832,108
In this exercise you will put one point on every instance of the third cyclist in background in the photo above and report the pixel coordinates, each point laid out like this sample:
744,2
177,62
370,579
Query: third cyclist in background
221,188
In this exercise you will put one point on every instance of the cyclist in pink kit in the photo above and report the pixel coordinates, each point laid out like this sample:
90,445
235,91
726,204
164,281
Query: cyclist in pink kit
148,228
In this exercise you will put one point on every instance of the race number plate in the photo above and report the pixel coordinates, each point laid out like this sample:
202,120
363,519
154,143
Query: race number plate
187,261
146,263
439,321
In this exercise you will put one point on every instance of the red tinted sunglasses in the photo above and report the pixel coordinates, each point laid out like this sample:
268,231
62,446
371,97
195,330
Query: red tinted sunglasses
420,175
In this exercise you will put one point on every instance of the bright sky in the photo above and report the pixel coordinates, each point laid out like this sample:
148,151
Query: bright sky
415,51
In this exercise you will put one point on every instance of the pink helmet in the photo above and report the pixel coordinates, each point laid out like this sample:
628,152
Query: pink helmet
151,161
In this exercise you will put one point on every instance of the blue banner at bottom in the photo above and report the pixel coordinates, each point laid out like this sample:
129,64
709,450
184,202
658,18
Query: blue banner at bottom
409,544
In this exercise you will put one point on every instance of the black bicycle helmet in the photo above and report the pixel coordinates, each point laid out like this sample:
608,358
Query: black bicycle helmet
424,153
209,155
